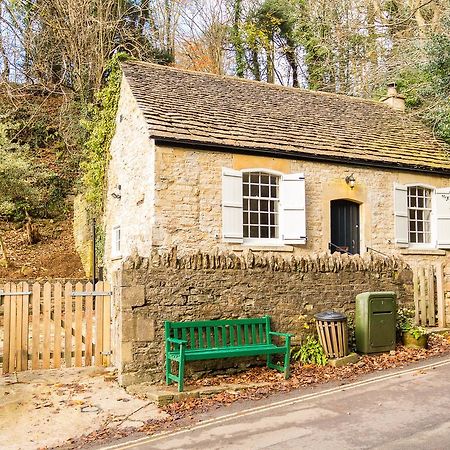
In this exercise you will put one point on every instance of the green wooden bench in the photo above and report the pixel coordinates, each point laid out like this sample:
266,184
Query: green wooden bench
217,339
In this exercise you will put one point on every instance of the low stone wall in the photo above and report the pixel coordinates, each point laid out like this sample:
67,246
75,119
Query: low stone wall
201,287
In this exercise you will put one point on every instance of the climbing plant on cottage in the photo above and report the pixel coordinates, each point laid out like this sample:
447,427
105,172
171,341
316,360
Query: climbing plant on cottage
100,124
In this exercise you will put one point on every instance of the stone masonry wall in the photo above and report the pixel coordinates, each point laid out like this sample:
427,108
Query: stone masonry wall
132,168
218,286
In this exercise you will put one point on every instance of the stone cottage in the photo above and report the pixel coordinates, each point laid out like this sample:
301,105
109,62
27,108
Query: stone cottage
202,162
211,173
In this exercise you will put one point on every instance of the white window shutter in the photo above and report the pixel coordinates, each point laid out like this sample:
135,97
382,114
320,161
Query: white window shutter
401,215
232,215
293,217
443,217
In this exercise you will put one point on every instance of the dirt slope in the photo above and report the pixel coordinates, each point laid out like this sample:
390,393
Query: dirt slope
54,256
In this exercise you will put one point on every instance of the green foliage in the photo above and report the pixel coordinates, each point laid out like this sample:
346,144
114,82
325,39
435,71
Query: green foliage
310,352
405,323
100,125
27,187
426,85
404,319
351,331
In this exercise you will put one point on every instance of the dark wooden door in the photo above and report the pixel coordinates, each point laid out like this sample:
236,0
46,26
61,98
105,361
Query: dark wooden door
345,226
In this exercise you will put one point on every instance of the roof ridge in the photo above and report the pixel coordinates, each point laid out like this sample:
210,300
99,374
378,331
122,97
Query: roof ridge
259,83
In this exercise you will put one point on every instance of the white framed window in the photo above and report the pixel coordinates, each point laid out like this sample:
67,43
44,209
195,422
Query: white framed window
261,206
261,198
116,242
419,215
422,216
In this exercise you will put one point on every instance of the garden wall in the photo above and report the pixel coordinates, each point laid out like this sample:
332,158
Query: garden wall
201,286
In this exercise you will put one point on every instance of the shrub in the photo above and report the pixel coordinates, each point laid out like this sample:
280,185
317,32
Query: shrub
310,352
26,186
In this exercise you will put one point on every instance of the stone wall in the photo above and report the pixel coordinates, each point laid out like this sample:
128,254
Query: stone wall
213,286
130,196
82,233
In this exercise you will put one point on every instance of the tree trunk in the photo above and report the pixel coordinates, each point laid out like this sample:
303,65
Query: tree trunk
238,46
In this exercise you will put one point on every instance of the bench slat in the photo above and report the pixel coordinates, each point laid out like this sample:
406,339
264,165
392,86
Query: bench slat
208,337
214,323
224,336
232,352
200,337
192,336
238,332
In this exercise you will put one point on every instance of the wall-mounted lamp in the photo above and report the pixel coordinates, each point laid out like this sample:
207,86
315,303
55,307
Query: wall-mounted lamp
350,180
117,195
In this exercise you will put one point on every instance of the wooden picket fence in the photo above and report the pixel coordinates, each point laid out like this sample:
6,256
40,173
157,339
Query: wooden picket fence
429,296
55,325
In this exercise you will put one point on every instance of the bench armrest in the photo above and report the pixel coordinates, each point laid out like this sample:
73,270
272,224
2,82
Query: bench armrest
177,341
276,333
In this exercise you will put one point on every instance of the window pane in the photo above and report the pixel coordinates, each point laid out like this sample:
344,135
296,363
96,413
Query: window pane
254,190
264,218
254,232
254,177
245,218
264,232
246,231
254,205
264,205
274,192
264,191
254,218
264,179
273,219
246,177
245,189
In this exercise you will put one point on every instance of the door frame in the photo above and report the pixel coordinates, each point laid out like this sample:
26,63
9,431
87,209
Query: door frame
359,233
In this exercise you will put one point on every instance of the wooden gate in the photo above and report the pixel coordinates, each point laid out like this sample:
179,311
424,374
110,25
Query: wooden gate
54,325
429,298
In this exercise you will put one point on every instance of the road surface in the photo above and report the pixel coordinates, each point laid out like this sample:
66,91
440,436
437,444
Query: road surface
406,409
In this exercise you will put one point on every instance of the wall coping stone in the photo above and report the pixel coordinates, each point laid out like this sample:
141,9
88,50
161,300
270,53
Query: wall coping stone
270,261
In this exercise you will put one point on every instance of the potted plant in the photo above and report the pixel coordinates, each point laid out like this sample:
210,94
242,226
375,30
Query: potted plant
413,336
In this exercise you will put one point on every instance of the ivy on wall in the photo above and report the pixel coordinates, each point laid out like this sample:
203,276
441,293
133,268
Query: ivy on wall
100,125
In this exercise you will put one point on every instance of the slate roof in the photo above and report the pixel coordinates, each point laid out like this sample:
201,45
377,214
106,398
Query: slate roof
226,112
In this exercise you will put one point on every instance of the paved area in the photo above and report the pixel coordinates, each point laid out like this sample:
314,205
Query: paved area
40,409
407,409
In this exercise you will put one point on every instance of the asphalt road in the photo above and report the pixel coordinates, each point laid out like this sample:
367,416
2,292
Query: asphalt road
407,409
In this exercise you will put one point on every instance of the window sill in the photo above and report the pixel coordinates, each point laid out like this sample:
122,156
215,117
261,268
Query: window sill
263,248
423,251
